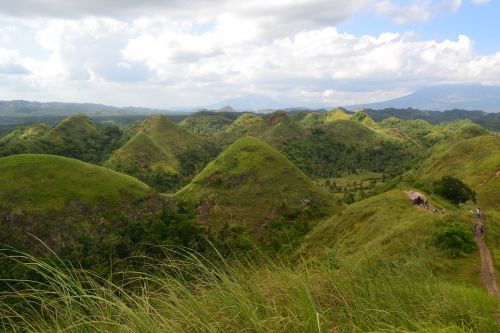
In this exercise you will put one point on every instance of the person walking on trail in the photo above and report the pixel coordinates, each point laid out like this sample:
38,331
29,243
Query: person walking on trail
478,213
481,229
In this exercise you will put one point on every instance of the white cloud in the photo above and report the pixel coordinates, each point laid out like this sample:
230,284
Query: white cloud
276,17
10,63
231,48
415,11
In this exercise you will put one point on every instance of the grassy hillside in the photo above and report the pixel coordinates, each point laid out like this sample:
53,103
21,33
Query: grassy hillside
141,155
161,153
475,161
253,185
366,120
196,295
351,132
167,134
207,124
324,149
24,133
388,227
76,136
85,213
66,203
54,182
343,146
276,129
336,114
76,127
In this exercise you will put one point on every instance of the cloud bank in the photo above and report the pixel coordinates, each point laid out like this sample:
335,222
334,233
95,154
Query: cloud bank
162,53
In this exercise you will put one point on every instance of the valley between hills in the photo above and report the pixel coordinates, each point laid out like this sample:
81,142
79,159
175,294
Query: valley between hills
246,222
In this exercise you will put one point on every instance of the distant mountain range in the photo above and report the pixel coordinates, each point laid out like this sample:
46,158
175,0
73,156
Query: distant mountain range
440,98
20,108
447,97
250,102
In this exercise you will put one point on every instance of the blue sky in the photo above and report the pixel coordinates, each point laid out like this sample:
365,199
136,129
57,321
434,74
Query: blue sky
165,53
479,22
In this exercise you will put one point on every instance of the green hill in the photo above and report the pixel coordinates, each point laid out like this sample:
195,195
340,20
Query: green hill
168,134
352,132
251,184
76,136
312,119
75,127
87,214
40,183
366,120
336,114
207,124
81,211
141,155
475,160
346,146
161,153
276,129
23,134
388,227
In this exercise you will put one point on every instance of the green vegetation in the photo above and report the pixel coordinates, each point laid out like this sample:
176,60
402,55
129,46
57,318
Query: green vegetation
454,190
24,133
489,121
54,182
456,240
476,162
254,186
76,136
388,227
192,294
85,213
347,146
336,114
207,124
365,119
277,129
304,223
162,154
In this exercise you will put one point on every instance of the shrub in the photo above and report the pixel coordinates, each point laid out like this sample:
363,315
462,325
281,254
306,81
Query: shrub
454,190
332,258
455,239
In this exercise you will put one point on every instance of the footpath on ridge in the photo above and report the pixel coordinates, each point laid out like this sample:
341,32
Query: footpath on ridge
487,270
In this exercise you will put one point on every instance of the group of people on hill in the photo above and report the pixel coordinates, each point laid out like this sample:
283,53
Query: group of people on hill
478,228
424,203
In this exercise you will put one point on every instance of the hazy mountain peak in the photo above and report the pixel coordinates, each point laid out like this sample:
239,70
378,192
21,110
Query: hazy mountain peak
445,97
249,102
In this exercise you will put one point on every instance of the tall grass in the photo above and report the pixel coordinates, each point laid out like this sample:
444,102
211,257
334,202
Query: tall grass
189,293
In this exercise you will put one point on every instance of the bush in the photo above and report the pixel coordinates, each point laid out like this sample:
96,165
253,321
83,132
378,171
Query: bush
455,239
454,190
332,258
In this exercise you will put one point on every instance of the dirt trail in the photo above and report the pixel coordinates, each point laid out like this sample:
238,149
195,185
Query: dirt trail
487,270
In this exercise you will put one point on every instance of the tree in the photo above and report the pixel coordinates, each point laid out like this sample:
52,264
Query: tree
454,190
455,239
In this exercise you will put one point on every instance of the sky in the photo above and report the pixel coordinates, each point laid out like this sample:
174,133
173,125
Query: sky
166,54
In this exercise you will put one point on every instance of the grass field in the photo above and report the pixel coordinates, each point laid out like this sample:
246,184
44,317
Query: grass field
251,183
191,294
55,181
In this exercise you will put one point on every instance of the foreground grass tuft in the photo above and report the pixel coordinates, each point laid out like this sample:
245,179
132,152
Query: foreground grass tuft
188,293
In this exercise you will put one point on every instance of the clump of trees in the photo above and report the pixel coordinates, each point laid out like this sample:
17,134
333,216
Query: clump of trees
455,240
320,155
454,190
